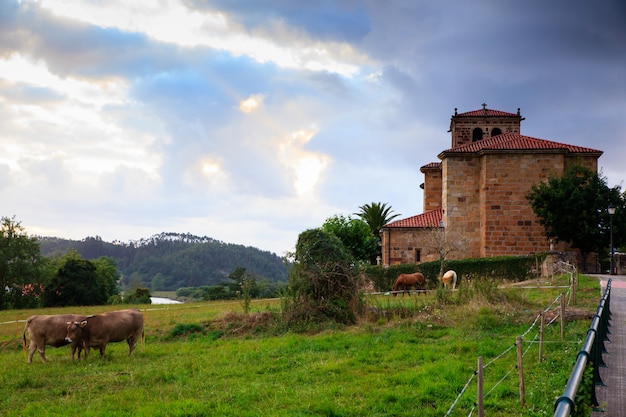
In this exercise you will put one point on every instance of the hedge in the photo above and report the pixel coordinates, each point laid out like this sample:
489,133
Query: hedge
504,268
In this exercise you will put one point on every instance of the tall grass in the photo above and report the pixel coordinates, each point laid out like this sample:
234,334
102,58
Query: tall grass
412,360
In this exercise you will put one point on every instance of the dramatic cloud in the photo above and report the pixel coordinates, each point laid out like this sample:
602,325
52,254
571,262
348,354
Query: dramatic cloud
251,121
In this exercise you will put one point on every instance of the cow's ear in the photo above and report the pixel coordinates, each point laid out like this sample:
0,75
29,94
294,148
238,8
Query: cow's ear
83,323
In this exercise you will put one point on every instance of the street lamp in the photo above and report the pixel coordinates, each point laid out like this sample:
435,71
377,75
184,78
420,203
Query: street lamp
611,211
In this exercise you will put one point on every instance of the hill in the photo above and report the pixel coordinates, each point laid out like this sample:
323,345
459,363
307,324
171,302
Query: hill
178,260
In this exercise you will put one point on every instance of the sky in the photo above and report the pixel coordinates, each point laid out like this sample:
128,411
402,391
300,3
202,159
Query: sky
252,121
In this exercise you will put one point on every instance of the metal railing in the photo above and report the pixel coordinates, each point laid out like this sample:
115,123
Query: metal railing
591,353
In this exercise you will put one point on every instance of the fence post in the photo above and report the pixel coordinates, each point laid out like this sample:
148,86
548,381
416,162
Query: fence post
479,383
563,316
541,327
520,369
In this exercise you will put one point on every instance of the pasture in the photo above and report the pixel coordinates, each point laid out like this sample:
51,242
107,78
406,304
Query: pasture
413,360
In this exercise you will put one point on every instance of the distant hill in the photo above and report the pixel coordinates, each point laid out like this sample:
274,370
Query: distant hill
182,260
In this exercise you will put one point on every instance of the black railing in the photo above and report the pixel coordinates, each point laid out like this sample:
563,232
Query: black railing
591,353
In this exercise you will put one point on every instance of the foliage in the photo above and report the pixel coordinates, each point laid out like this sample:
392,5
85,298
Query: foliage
80,282
376,215
510,268
583,400
323,285
20,267
355,235
168,261
572,208
247,287
139,296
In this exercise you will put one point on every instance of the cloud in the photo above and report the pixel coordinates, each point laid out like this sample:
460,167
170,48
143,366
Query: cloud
252,121
252,103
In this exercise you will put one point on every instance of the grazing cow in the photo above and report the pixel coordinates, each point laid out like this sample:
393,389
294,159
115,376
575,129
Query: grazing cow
49,330
113,326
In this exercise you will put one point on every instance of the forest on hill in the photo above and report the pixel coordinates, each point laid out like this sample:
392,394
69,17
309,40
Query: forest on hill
169,261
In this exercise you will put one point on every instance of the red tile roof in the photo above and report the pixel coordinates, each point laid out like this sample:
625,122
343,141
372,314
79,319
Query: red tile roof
431,165
486,112
428,219
517,142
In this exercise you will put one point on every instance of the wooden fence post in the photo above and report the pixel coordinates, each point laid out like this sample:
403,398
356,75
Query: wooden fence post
520,369
480,381
563,316
574,285
541,328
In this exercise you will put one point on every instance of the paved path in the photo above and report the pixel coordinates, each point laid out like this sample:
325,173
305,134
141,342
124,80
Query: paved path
612,396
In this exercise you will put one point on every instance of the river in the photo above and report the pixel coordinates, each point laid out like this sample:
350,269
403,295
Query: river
161,300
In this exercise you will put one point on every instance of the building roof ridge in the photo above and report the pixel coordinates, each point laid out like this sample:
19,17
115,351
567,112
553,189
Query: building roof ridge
516,141
431,218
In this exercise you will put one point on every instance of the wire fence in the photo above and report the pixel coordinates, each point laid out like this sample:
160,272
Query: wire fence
560,299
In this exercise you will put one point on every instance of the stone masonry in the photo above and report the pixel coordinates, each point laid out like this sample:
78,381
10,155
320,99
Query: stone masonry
479,190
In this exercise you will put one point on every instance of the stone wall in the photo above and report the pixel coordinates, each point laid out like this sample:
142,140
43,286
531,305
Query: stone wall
400,246
462,127
432,187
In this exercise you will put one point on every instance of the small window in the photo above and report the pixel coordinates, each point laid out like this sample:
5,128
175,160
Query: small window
418,255
496,131
477,134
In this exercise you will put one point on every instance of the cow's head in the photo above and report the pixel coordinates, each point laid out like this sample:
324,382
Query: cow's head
74,330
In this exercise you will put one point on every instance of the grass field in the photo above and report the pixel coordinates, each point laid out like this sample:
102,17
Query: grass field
414,360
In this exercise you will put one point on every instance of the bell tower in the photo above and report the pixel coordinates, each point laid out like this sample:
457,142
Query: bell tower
482,124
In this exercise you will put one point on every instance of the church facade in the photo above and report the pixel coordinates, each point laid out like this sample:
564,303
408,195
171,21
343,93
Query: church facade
476,193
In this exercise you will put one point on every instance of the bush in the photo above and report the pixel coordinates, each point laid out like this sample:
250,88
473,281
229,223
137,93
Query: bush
140,296
324,283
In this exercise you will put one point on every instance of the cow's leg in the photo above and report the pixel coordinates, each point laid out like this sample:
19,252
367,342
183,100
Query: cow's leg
132,342
103,347
87,349
31,350
42,352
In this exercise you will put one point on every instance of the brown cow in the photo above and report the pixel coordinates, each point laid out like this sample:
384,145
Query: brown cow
49,330
113,326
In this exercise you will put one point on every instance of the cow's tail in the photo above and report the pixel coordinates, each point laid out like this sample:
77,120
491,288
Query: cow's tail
24,336
143,341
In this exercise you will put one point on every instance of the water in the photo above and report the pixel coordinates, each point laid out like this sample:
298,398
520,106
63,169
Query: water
161,300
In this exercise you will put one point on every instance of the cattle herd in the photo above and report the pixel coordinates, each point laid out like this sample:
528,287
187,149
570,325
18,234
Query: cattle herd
83,332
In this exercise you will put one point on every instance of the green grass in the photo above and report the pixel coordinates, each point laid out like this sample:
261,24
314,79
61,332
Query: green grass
413,361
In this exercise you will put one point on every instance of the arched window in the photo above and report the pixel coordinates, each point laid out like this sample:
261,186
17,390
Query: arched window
477,134
496,131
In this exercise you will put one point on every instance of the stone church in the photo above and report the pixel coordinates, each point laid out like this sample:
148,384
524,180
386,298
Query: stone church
476,193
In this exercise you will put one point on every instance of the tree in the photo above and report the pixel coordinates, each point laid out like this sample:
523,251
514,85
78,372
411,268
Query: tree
323,283
572,208
80,282
20,266
355,235
376,215
107,275
443,243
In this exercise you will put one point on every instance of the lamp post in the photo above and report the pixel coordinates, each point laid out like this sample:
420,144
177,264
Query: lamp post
611,211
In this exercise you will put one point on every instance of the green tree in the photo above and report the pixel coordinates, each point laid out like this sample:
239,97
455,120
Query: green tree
376,215
158,282
79,281
20,266
572,208
355,235
323,284
139,296
107,275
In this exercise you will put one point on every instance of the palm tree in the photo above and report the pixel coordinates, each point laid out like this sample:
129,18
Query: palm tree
376,215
